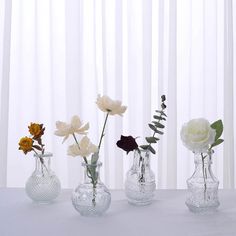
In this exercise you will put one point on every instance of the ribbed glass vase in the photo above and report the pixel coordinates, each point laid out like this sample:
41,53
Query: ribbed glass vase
140,180
202,186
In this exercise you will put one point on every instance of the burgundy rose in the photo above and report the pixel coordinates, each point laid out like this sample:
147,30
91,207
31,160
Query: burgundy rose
127,143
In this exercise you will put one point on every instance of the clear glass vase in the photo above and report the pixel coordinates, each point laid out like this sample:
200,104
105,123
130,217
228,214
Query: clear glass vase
202,186
91,198
140,180
43,186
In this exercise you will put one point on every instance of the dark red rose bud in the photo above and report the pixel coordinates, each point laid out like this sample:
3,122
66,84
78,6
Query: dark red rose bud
127,143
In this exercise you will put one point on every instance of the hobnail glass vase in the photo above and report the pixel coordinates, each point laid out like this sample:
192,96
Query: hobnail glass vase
43,186
140,180
202,185
91,197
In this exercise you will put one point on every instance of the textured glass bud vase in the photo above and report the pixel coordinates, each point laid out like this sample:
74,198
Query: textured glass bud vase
91,198
140,180
202,186
43,186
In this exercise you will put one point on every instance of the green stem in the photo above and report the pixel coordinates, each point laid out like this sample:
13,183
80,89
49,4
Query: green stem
102,134
89,174
42,161
204,177
154,133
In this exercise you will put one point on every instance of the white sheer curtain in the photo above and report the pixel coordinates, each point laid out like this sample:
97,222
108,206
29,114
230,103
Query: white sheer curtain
56,56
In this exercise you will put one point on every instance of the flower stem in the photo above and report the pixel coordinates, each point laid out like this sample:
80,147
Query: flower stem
204,177
89,174
85,160
42,161
102,134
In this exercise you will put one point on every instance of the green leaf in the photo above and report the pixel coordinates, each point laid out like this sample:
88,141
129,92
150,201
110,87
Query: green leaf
144,147
159,125
162,113
159,132
153,127
151,139
218,127
217,142
151,149
94,158
159,117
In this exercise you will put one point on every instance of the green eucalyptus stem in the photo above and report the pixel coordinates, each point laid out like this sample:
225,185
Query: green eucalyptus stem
102,134
154,133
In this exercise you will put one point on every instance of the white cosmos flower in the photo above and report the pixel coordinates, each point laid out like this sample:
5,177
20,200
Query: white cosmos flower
84,149
197,135
106,104
76,126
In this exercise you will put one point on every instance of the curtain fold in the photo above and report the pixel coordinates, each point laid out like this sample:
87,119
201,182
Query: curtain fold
228,96
5,43
57,56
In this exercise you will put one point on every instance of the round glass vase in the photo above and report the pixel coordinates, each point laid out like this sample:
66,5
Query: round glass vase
43,186
202,186
140,180
91,197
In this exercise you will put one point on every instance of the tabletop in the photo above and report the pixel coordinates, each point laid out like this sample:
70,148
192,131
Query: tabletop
167,215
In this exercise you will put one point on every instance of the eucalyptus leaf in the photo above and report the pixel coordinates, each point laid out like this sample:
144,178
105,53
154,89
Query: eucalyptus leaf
144,147
151,149
159,125
159,117
159,132
217,142
153,127
151,139
218,127
162,113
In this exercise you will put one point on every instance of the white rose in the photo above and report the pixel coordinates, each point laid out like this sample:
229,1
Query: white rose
197,135
106,104
76,126
84,149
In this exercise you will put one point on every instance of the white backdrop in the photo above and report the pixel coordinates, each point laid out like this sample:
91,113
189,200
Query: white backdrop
57,55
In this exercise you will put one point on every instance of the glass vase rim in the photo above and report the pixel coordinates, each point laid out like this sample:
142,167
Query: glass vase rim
46,154
208,152
97,164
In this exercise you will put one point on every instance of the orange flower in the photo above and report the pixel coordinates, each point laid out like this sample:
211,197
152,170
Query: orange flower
26,144
36,130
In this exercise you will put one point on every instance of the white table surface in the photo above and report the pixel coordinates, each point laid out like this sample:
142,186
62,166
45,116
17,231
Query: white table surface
168,215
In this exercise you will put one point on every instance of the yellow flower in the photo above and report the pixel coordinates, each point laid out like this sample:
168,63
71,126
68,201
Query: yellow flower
26,144
36,130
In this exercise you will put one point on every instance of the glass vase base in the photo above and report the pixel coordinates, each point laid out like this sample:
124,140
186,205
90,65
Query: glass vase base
202,210
139,203
83,200
42,202
89,211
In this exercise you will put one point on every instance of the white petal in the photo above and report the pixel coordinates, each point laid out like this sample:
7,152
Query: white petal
84,143
83,129
76,122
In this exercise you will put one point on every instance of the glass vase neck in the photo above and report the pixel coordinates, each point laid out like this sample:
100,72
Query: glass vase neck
141,156
92,172
203,158
43,162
